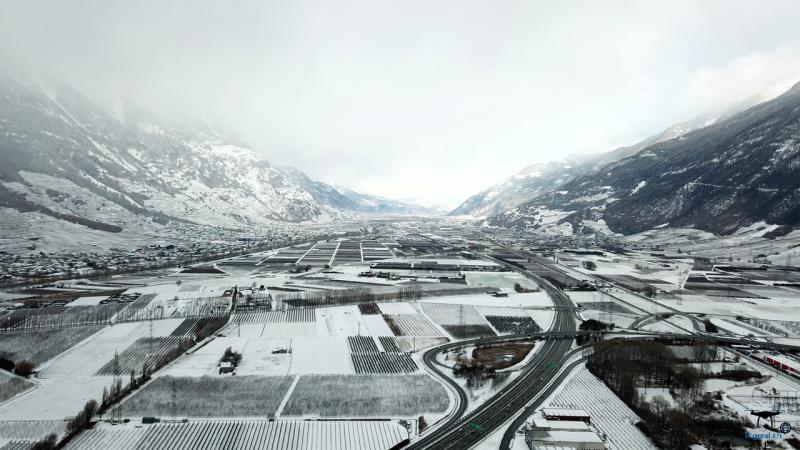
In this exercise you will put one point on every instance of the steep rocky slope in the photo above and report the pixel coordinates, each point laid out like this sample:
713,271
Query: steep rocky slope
718,178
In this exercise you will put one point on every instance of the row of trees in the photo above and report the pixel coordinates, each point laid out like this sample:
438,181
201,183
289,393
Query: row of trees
59,317
347,297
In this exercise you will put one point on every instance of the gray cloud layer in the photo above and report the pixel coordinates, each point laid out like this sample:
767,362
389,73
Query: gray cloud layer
416,99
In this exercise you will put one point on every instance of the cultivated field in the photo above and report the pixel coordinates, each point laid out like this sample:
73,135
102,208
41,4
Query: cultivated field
461,321
145,352
138,310
239,396
366,396
258,358
244,435
411,325
383,363
362,344
11,385
501,280
67,381
447,314
369,308
277,324
469,331
169,301
292,316
321,355
199,327
53,399
28,431
513,324
59,317
42,345
779,327
367,358
376,325
86,358
389,344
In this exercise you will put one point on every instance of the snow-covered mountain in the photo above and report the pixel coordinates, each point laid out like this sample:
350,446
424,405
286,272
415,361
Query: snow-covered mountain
374,204
63,156
738,171
539,179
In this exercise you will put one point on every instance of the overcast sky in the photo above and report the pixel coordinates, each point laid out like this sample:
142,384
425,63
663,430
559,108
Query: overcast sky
431,100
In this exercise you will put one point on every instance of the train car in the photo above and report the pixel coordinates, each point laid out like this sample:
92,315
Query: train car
784,363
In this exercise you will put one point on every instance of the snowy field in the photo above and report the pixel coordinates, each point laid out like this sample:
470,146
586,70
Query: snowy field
499,280
12,385
526,300
243,435
42,345
639,303
240,396
619,320
29,431
305,355
366,396
258,358
68,381
87,301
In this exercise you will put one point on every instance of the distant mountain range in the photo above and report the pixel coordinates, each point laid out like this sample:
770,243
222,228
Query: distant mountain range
717,173
63,156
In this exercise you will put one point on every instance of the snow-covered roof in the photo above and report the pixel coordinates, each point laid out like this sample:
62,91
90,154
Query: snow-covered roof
541,423
565,412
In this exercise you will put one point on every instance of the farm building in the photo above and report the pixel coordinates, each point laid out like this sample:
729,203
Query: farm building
562,433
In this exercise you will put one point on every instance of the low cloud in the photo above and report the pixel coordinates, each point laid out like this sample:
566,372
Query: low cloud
430,100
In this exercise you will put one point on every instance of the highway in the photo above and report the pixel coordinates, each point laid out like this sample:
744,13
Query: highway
511,430
463,431
537,380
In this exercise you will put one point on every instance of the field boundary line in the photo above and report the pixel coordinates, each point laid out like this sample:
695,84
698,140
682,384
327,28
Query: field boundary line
286,397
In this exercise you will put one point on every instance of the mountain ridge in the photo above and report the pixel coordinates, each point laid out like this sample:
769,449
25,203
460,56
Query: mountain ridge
62,155
538,179
718,178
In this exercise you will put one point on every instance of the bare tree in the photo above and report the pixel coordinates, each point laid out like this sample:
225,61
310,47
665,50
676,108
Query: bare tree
685,398
659,406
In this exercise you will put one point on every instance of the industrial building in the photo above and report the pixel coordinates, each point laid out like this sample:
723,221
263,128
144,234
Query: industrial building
562,429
